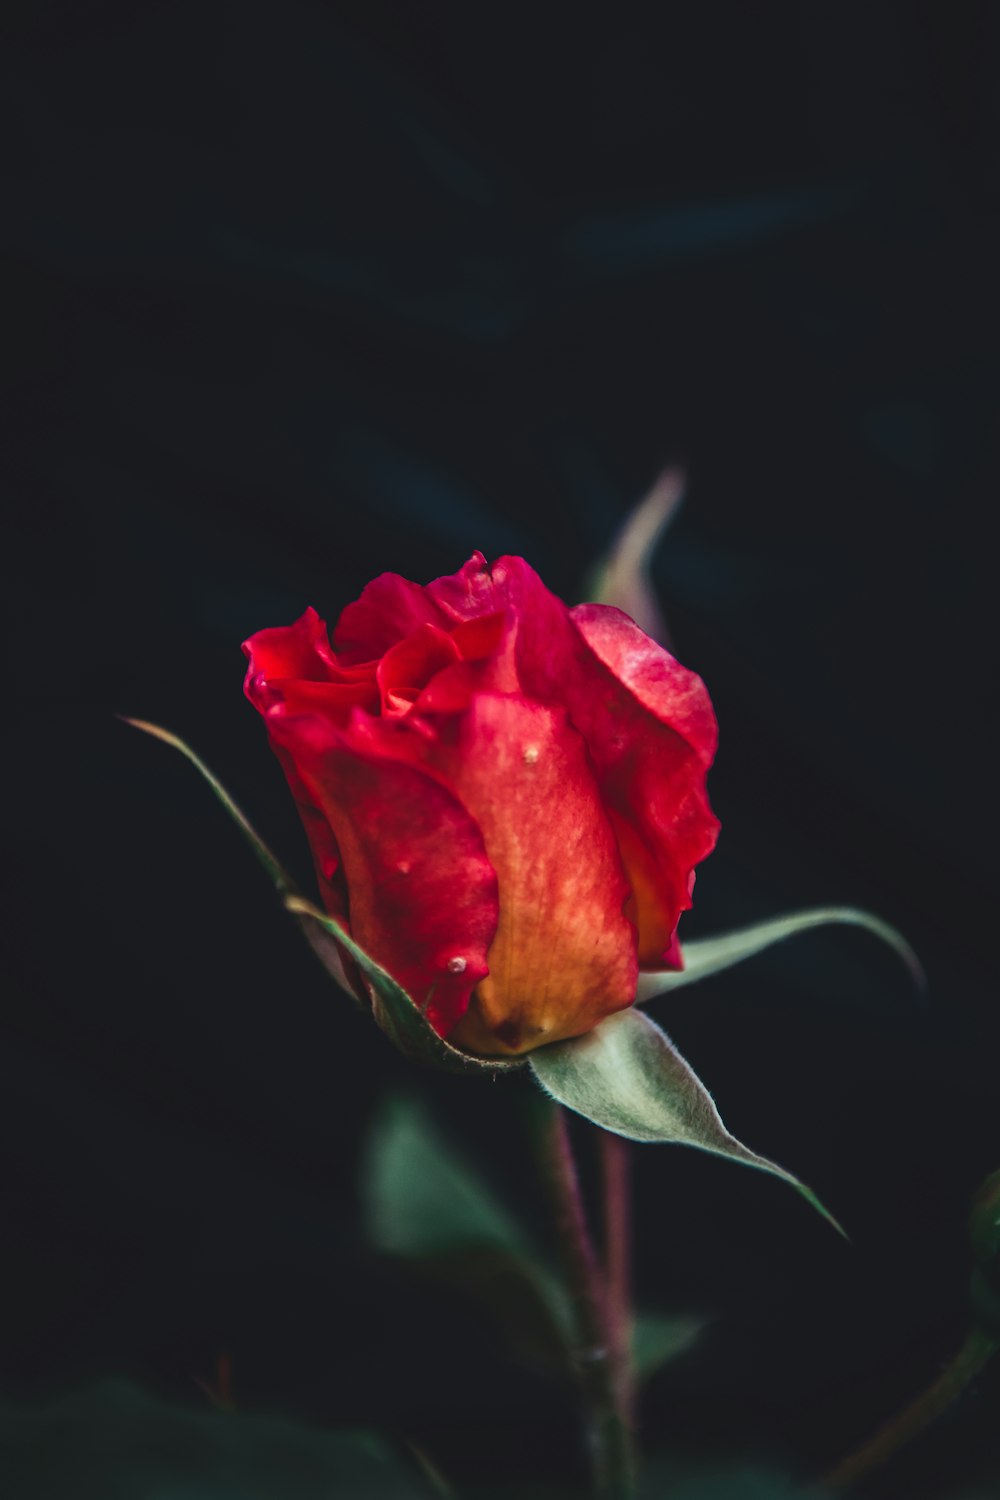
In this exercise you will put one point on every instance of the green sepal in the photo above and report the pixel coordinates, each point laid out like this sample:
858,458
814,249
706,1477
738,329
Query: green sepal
628,1077
402,1020
271,863
705,956
395,1012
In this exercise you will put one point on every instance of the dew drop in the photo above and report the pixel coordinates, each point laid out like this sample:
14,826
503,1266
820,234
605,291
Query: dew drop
456,966
530,754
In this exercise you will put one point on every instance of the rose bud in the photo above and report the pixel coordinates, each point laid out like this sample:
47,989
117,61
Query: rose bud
505,798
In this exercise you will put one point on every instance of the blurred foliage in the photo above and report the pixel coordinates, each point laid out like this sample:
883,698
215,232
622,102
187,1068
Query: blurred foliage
425,1201
113,1441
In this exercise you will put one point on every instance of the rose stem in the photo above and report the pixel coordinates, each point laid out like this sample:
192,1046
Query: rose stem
616,1174
966,1365
610,1438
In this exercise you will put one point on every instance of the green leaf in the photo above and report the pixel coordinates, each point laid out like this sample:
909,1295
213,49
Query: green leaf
423,1200
422,1196
658,1338
628,1077
399,1016
111,1441
704,956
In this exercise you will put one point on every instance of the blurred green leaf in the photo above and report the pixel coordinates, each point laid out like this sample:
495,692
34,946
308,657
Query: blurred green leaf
422,1196
423,1200
622,578
705,956
113,1441
686,1481
628,1077
658,1338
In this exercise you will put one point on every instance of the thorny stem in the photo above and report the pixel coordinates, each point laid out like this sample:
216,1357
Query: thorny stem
597,1368
976,1351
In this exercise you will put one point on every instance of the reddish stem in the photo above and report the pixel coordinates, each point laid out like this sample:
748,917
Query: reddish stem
608,1429
616,1174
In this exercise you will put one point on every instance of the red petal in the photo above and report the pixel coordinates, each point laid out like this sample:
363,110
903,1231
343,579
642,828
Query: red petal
468,594
674,695
564,955
665,823
299,650
484,667
295,665
408,667
326,858
478,639
650,731
422,892
390,609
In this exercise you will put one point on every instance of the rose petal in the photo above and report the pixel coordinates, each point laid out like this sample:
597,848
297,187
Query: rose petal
295,664
650,769
676,696
326,859
299,650
422,892
478,639
564,955
335,700
660,807
486,665
389,609
408,667
469,594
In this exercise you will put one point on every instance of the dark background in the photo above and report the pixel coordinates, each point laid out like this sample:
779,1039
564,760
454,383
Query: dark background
296,293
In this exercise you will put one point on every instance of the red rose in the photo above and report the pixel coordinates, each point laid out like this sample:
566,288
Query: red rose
505,798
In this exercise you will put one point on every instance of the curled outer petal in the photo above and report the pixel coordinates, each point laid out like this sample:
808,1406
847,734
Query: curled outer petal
421,892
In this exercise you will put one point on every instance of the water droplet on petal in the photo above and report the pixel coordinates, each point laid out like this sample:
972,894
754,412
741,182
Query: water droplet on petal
456,966
530,754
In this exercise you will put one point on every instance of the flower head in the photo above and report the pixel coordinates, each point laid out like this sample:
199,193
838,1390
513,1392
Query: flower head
505,798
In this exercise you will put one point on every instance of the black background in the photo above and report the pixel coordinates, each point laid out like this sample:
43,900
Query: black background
296,293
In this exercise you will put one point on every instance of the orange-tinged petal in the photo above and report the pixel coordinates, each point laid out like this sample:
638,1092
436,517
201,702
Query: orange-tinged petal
564,955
